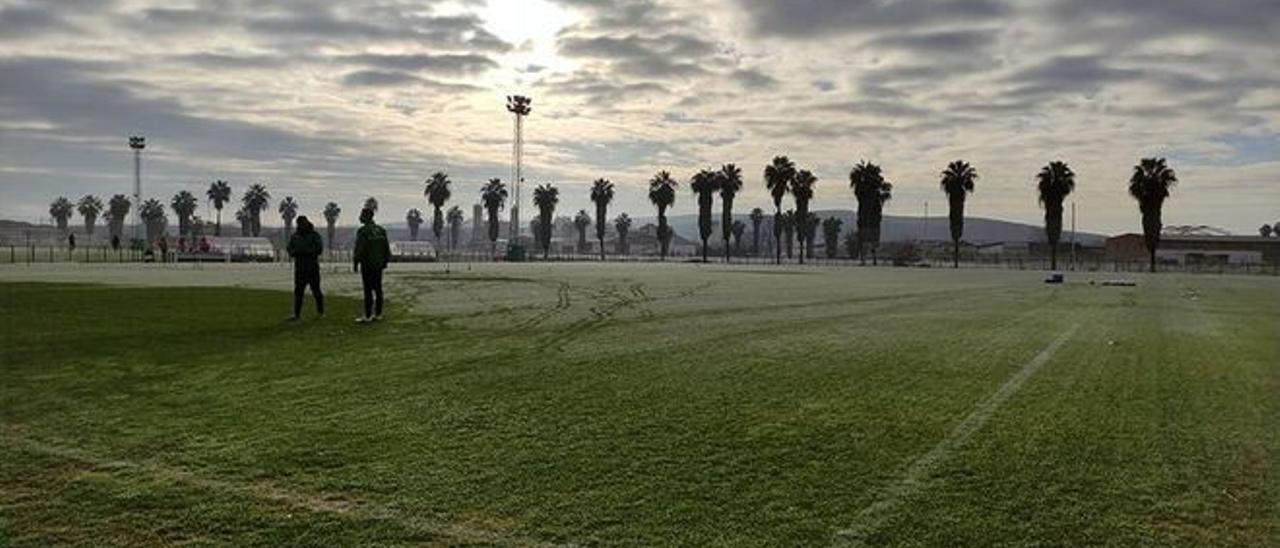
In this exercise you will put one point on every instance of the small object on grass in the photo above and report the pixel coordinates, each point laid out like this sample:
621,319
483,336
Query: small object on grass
1119,283
1054,278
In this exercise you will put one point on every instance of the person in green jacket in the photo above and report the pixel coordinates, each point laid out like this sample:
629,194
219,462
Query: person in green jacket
370,258
305,247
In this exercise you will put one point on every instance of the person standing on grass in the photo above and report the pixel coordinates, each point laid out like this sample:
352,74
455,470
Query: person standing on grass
305,247
370,258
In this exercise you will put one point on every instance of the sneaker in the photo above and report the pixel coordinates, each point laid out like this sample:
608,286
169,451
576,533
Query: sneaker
377,318
363,319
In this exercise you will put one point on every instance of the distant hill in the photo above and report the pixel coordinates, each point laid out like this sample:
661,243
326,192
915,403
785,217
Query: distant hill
978,230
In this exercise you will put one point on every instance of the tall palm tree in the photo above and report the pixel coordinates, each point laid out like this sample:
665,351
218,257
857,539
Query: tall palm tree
802,193
957,182
738,228
437,193
413,218
61,210
730,184
117,211
455,219
704,185
184,205
581,222
777,178
1055,182
331,213
255,200
601,195
872,191
371,204
288,211
493,196
1152,178
757,217
152,213
246,221
662,193
831,235
219,193
545,197
787,222
622,224
89,207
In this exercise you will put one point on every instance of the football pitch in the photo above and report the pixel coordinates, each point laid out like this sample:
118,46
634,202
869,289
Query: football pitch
638,404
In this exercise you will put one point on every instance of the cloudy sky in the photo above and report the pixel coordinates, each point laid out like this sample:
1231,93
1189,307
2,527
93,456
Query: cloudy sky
339,100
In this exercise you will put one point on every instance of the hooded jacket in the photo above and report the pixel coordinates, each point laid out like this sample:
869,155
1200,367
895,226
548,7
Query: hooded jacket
305,246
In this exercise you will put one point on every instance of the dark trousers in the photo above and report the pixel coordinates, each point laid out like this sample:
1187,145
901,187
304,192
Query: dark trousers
301,280
372,280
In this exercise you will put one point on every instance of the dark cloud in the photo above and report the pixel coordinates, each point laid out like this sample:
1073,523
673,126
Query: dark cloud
1143,19
958,42
453,64
807,18
25,21
753,79
380,78
1073,74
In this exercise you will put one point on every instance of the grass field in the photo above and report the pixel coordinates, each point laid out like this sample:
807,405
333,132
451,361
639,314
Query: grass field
640,405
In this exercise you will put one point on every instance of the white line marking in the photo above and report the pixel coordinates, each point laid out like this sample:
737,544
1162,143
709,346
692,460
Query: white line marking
873,516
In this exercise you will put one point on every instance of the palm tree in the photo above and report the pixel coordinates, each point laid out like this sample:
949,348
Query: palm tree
957,182
831,235
872,191
455,219
437,193
413,218
184,205
255,201
622,224
662,193
757,217
493,196
788,223
152,213
1056,181
581,222
730,184
89,207
61,210
601,195
777,178
117,211
219,193
246,221
331,213
1265,231
288,211
738,228
704,184
371,204
545,197
802,193
1152,178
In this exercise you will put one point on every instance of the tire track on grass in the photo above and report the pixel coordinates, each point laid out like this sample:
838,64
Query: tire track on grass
330,503
872,517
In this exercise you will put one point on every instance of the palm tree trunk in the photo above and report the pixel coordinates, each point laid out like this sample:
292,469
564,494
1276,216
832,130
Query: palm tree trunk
1153,260
955,254
217,227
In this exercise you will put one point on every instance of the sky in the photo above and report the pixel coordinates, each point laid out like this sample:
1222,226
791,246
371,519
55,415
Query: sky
335,101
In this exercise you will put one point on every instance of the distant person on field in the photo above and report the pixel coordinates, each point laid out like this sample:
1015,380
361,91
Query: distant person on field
71,242
370,258
305,247
163,244
115,242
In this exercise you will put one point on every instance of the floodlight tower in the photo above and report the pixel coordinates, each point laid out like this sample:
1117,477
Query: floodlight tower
520,106
137,143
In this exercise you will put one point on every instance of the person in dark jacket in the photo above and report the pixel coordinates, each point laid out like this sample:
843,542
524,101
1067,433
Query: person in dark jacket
305,247
370,258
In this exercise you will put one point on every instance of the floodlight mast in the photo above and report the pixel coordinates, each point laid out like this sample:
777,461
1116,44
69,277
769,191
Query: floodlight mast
137,143
520,106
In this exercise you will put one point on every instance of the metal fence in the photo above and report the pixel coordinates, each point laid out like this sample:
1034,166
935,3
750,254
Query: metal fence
44,254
